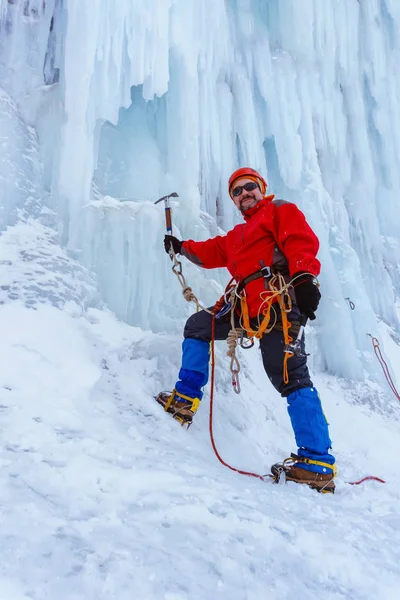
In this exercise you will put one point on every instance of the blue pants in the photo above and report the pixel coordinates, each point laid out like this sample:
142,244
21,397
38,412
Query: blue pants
310,428
304,406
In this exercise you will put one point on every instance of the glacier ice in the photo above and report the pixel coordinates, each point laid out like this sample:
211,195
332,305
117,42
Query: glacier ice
20,168
133,100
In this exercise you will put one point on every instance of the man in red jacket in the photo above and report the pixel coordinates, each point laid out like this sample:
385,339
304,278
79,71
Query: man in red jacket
275,239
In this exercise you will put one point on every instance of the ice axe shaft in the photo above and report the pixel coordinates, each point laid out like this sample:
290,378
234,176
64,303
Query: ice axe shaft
168,210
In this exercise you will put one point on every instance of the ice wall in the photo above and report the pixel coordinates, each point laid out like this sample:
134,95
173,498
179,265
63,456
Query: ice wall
148,97
19,164
28,29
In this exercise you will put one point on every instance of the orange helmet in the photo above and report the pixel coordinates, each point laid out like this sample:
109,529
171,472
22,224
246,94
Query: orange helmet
246,172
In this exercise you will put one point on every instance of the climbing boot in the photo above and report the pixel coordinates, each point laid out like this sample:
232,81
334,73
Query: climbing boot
181,407
291,470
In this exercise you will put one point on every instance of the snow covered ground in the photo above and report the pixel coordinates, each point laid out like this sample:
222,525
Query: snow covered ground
103,496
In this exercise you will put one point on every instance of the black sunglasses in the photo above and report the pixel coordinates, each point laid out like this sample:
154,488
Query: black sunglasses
249,187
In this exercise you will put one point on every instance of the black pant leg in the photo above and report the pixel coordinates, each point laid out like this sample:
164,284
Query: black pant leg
272,351
199,326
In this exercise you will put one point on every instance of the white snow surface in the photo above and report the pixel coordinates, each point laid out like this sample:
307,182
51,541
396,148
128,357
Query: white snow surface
104,107
104,496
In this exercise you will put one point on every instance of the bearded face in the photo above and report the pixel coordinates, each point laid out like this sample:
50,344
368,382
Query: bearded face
246,193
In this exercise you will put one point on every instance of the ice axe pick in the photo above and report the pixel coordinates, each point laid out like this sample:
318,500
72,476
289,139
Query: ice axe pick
168,216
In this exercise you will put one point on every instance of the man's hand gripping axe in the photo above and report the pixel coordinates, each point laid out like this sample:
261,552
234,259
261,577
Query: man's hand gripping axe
177,266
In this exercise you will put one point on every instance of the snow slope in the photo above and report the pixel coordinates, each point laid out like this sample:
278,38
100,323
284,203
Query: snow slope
103,496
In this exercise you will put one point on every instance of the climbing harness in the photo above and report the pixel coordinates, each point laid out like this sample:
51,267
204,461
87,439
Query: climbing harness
276,292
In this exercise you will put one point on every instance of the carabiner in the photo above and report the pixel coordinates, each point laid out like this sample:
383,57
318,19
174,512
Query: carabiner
248,345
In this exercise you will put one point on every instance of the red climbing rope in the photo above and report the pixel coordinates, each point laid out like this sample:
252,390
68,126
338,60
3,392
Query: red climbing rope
217,454
368,478
212,406
384,366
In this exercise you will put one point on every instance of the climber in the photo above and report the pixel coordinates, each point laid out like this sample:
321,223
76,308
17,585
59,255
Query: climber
275,238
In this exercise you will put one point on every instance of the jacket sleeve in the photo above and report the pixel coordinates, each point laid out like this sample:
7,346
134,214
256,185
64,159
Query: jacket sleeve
209,254
296,239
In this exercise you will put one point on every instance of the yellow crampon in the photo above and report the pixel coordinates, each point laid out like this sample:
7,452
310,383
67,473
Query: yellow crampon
184,410
291,469
309,461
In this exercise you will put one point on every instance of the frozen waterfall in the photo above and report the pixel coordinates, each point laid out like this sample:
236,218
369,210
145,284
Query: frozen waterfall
132,100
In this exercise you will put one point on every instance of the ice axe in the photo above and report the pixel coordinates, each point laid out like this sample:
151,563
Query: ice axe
177,266
168,216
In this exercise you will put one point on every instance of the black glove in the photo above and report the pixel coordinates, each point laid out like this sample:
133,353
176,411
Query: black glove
307,294
176,244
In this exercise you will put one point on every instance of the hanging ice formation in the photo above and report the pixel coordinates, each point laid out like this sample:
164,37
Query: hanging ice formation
130,100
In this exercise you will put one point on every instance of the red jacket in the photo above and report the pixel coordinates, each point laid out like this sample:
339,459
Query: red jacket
275,233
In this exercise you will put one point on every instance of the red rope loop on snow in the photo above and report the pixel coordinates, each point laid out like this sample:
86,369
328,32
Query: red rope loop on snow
384,366
368,478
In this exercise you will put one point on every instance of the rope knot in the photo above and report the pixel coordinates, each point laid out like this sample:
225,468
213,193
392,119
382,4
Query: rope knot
188,293
232,340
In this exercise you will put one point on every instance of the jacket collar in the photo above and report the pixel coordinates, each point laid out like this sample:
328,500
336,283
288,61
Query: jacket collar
259,206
